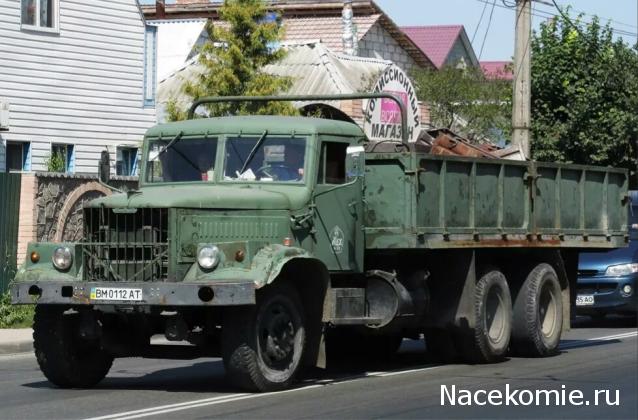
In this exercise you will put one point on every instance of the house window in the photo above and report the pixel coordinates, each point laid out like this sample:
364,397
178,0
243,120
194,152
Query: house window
126,163
18,156
40,14
150,65
332,163
62,158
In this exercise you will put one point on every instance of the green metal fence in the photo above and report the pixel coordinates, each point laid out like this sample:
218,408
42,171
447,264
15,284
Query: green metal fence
9,210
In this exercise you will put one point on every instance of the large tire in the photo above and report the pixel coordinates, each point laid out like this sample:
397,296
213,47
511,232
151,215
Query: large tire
344,344
263,345
538,314
489,340
66,359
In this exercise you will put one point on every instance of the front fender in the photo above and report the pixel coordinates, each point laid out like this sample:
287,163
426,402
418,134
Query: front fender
264,268
43,269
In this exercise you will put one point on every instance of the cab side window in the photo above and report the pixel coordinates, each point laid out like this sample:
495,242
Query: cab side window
332,163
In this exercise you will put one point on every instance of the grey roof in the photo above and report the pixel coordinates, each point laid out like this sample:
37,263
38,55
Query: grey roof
314,68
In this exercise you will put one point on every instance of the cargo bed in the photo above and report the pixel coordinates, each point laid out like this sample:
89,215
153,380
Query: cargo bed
418,200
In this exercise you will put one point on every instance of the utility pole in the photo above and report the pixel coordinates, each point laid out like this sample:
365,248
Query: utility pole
521,100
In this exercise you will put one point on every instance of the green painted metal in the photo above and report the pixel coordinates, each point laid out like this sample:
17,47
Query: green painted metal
424,201
9,208
391,202
305,98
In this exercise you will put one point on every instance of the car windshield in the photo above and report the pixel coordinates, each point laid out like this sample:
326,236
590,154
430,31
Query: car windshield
181,160
265,159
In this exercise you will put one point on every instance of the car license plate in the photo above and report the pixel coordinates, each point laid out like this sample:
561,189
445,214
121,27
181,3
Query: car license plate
584,300
116,293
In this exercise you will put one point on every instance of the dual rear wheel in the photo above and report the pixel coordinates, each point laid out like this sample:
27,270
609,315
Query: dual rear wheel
531,325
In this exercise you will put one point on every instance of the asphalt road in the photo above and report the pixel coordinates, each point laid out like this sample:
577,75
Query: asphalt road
594,357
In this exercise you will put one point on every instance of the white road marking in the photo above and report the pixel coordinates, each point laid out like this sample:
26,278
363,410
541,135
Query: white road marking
606,338
170,408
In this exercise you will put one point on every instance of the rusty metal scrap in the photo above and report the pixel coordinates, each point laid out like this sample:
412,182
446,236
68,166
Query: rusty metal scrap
446,142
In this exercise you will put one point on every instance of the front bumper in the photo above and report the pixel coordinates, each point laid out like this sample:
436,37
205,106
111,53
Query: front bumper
152,293
607,294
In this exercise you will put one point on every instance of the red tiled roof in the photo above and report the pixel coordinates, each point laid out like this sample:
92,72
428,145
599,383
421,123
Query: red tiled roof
497,70
435,41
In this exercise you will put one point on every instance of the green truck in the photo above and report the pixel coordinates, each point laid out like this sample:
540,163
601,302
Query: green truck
278,243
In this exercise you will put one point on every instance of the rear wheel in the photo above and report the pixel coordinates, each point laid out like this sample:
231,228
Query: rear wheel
65,358
538,314
488,341
263,345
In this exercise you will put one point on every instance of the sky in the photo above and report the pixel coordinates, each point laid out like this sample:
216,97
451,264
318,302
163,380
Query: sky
499,42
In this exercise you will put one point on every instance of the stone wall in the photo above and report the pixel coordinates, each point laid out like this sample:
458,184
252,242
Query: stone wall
51,205
378,43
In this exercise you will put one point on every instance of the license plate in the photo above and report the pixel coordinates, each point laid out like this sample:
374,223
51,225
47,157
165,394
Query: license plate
116,293
584,300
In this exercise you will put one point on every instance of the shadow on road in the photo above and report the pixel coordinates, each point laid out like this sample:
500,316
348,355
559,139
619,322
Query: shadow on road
208,376
610,321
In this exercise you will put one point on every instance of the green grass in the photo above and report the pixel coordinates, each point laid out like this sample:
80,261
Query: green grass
15,316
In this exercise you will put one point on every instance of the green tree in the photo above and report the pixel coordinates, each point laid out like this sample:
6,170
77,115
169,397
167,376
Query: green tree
584,95
464,100
233,58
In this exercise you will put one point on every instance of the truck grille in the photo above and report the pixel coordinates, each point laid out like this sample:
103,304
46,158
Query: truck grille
125,244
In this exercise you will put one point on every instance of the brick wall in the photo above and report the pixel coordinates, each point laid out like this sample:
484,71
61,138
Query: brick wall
378,43
51,206
26,218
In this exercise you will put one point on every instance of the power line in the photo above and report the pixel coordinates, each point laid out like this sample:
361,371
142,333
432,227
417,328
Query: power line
548,15
478,25
489,24
547,3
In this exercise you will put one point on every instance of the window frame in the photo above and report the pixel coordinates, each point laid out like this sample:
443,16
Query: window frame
135,164
36,27
229,137
150,76
323,159
69,158
25,155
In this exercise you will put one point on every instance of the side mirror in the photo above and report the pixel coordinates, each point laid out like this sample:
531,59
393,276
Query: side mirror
104,167
355,162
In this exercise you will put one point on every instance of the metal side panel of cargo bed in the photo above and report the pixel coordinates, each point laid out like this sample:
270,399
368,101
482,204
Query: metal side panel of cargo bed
418,200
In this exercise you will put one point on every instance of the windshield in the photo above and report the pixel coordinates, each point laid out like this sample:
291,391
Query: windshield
265,159
181,160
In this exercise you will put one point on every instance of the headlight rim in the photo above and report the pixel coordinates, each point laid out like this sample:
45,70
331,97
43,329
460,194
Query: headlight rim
66,266
215,255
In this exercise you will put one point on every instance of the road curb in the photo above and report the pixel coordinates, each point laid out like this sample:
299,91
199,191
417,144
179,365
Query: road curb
14,341
16,347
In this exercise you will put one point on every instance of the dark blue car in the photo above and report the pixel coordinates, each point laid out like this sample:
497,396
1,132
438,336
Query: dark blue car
608,281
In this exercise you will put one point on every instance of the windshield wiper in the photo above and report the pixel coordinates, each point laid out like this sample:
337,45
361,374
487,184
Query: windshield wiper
170,143
253,151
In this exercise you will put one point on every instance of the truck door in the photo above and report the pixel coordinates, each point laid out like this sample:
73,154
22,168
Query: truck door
338,198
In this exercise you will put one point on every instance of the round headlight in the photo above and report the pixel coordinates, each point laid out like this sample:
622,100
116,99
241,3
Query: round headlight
627,290
62,258
208,257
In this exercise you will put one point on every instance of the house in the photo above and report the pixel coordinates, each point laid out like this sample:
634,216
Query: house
77,77
445,45
377,36
501,70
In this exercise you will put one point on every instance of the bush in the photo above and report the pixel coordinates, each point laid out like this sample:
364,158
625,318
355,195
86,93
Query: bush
18,316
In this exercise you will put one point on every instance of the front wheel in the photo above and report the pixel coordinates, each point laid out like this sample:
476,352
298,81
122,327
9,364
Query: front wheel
66,359
263,345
